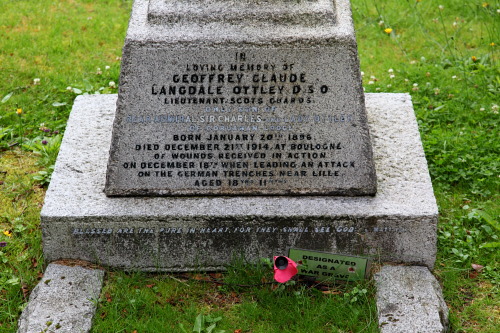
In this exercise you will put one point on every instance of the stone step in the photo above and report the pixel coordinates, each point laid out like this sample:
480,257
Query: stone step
410,300
64,301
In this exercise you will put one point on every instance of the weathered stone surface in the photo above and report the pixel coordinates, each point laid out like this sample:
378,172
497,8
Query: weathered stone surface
241,12
64,301
242,107
183,233
410,300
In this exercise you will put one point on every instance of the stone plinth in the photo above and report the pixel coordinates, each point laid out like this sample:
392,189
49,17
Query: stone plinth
185,233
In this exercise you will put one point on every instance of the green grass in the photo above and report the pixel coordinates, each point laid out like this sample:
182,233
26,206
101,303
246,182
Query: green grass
21,261
447,59
163,303
63,44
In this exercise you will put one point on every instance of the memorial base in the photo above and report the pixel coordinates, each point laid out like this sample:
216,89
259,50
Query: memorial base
205,233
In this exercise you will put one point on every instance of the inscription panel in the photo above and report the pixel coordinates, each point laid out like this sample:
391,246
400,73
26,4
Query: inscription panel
233,122
184,246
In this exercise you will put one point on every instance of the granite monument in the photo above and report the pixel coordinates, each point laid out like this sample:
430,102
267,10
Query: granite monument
240,130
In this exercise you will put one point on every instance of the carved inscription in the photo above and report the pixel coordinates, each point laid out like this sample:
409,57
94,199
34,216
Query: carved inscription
333,229
242,124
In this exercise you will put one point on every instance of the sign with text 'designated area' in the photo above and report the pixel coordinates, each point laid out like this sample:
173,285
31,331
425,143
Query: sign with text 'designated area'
328,266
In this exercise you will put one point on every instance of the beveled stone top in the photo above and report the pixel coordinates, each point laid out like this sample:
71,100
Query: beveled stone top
283,12
252,22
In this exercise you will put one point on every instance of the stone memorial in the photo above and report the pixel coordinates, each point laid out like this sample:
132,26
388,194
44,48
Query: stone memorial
257,101
240,131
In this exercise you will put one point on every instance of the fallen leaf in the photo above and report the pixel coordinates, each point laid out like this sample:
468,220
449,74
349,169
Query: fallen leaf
7,97
108,298
26,291
477,268
150,285
238,331
332,292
